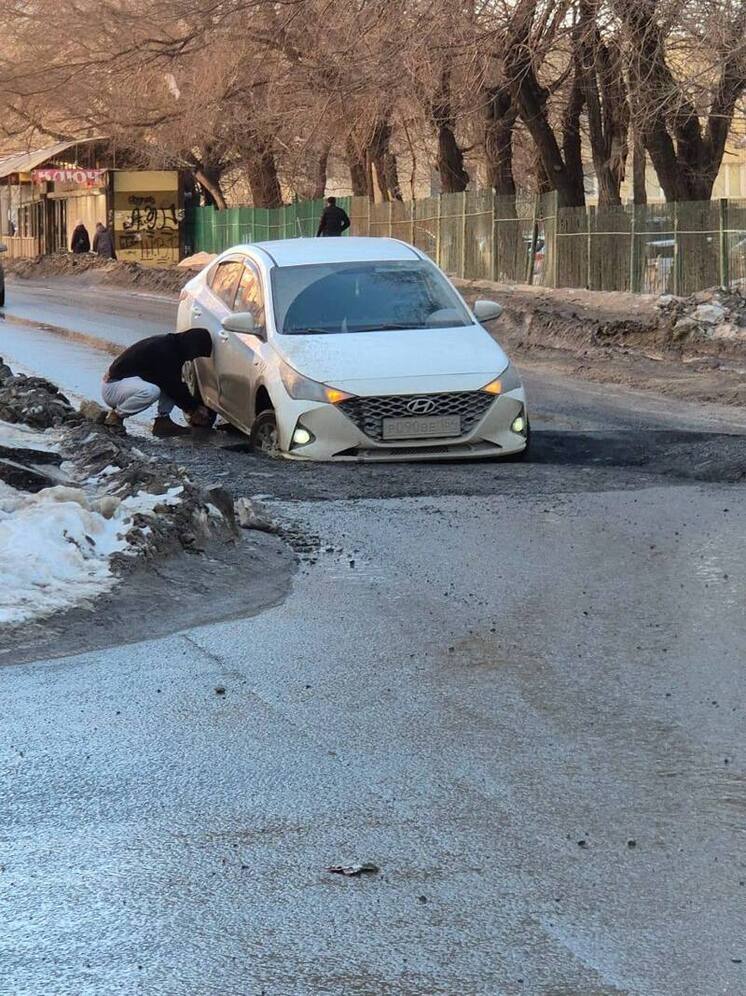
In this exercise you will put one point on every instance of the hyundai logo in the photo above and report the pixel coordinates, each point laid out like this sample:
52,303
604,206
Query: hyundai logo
421,406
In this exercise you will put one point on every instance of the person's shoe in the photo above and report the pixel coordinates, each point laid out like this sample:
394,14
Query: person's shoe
164,427
115,422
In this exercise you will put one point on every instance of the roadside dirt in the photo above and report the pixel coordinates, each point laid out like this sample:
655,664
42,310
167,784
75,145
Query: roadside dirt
616,338
107,272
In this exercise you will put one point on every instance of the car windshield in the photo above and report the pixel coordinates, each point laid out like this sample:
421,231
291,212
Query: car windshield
327,298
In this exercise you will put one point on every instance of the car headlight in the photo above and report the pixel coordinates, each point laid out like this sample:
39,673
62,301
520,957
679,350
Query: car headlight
304,389
509,380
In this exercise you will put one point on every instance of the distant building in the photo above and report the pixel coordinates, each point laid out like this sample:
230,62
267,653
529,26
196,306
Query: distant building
46,192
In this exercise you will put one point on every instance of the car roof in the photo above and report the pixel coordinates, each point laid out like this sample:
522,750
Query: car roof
350,249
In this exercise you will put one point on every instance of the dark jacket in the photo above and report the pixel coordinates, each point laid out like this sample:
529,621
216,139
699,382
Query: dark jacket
80,241
334,221
103,243
159,359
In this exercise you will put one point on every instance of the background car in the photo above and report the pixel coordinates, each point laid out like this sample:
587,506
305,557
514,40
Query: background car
351,349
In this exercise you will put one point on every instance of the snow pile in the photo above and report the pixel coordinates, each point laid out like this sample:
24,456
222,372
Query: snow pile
56,546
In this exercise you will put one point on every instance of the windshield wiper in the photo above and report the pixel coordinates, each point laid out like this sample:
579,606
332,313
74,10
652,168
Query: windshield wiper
309,331
384,327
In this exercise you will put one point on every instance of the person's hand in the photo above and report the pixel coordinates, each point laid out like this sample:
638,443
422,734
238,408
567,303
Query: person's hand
200,418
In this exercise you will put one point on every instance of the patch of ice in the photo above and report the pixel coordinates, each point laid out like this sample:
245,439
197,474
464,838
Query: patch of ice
24,437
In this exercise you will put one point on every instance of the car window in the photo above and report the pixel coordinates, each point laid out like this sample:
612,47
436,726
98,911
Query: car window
364,297
224,281
250,296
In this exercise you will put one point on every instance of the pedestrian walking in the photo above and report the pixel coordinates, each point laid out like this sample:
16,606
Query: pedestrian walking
80,241
103,242
334,220
150,372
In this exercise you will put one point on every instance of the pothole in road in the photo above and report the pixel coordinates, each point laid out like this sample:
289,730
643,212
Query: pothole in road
561,462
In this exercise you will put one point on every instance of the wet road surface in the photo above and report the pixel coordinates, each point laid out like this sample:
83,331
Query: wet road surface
517,689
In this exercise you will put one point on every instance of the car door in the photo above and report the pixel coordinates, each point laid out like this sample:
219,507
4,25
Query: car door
208,311
240,359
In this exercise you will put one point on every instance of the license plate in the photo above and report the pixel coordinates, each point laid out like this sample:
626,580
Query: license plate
422,427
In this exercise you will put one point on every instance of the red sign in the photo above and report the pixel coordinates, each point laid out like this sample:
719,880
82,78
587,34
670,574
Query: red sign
81,177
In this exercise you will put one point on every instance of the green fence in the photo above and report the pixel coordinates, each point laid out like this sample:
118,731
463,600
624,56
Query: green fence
215,231
657,248
474,235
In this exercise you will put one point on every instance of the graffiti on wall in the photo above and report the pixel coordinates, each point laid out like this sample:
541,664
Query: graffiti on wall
147,222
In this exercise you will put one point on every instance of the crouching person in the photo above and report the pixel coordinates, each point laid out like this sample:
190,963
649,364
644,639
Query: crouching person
148,373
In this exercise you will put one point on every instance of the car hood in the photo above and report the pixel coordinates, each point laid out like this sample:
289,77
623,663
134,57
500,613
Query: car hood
351,360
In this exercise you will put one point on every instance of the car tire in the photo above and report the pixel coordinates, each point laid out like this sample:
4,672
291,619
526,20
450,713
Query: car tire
189,376
264,436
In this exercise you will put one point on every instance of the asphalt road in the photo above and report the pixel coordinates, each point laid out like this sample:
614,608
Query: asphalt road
516,689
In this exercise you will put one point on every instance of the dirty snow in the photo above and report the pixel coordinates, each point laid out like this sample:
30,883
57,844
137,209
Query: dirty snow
56,546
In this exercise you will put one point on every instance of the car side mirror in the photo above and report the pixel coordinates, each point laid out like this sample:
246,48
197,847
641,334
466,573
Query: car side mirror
241,322
487,311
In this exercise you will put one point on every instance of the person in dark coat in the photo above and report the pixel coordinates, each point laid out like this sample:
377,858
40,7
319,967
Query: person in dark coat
80,241
333,221
103,242
150,371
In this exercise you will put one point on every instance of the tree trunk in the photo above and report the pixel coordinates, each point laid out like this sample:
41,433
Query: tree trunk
210,184
453,176
322,165
572,148
498,141
261,170
686,158
383,163
357,168
531,100
600,69
639,169
391,170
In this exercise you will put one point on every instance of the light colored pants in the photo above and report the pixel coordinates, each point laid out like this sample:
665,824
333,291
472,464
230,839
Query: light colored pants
133,395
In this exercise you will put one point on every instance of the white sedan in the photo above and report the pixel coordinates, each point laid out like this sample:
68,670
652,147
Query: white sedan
351,349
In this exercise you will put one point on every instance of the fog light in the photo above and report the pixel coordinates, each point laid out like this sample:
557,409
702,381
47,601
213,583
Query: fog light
301,436
519,424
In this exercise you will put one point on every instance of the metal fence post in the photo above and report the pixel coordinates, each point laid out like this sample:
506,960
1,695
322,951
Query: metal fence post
724,261
676,254
589,211
391,219
494,270
412,215
463,235
368,218
534,240
633,281
555,254
438,234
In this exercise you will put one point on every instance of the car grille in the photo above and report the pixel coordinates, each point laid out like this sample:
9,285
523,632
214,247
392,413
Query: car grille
368,413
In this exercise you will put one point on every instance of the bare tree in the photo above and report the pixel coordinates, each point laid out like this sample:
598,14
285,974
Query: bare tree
685,118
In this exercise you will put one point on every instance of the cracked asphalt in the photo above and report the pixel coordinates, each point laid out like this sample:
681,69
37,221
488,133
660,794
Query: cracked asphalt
517,689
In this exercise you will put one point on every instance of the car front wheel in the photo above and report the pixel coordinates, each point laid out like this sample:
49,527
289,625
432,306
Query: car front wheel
189,376
264,435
